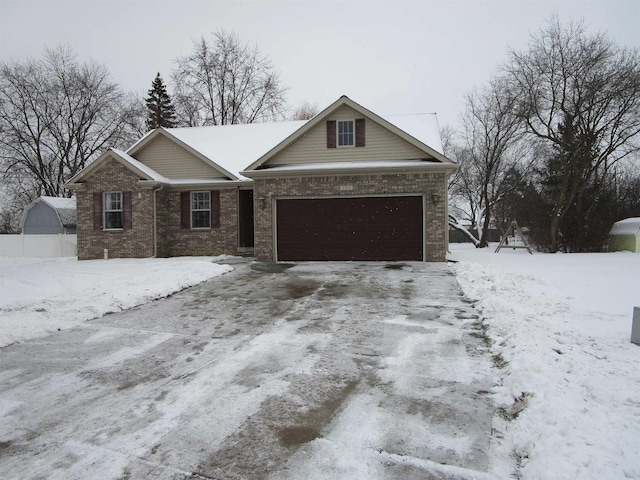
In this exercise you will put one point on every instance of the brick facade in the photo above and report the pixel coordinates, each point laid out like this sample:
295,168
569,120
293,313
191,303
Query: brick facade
175,241
134,242
427,184
138,241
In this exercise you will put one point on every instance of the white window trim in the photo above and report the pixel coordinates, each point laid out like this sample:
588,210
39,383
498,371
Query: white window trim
105,211
353,122
191,209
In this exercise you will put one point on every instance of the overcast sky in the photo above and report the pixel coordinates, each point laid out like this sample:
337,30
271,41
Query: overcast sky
393,57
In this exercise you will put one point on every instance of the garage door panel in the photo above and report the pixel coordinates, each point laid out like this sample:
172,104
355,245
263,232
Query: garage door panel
371,228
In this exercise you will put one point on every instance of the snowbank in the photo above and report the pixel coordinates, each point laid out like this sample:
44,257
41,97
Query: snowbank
560,329
42,295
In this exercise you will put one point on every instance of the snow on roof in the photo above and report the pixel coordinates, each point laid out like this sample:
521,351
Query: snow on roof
58,203
628,226
353,165
421,126
234,147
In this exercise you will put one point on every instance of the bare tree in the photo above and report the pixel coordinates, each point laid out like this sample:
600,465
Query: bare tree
306,111
134,116
224,82
56,115
491,154
580,94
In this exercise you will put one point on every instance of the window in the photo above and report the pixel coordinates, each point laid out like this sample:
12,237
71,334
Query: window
200,209
113,211
345,133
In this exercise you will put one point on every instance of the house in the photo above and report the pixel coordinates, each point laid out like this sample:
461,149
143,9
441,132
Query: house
625,235
49,215
345,185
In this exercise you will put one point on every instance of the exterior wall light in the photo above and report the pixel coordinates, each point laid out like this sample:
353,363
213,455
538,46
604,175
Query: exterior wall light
262,203
435,198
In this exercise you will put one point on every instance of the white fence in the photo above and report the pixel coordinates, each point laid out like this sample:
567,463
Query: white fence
38,245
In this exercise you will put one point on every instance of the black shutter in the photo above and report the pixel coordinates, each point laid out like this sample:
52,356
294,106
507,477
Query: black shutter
127,211
360,132
185,209
97,211
215,208
331,134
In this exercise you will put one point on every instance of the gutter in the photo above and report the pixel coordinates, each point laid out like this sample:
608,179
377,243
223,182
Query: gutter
300,171
196,184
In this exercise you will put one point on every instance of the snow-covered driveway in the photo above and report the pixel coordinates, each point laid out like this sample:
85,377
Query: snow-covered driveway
345,371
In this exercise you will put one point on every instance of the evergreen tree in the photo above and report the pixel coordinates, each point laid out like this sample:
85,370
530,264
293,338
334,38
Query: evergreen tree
161,112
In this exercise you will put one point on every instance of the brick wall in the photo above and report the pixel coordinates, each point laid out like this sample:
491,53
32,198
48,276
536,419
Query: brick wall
139,240
174,241
435,218
134,242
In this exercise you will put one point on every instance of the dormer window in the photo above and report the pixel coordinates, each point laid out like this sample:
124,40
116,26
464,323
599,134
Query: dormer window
345,133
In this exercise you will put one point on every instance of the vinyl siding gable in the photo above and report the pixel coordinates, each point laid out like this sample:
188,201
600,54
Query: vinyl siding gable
380,144
173,161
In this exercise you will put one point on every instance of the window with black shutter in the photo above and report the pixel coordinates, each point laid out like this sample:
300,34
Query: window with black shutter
346,133
200,209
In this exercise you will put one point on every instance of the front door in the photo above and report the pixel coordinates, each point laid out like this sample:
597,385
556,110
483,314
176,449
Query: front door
245,219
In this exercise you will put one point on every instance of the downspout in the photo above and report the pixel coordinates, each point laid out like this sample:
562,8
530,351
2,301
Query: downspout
155,221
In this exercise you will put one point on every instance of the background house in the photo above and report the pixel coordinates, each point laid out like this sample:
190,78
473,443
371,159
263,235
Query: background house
50,215
625,236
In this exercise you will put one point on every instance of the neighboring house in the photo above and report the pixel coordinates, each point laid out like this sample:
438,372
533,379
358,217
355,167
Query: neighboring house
625,236
49,215
345,185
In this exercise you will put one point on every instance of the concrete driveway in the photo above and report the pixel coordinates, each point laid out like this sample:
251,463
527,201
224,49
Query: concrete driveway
336,370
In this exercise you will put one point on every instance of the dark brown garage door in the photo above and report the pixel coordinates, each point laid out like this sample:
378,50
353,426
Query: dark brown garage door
371,228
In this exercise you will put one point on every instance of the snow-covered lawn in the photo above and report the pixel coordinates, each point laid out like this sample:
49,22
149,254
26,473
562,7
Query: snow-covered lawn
560,326
43,295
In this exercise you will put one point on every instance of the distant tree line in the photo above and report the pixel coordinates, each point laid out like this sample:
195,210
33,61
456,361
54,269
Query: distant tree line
57,114
553,140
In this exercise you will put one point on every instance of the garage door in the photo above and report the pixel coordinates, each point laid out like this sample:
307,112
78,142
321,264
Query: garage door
371,228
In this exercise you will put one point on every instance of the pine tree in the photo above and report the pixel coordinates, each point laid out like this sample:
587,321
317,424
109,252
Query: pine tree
161,111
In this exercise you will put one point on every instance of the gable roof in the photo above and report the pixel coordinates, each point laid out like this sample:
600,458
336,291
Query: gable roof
128,161
237,151
415,129
227,148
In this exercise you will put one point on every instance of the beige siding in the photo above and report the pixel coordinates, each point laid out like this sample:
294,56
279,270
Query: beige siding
380,144
172,161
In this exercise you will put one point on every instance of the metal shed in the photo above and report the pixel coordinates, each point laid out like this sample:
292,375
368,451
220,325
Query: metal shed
50,215
625,235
